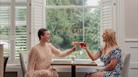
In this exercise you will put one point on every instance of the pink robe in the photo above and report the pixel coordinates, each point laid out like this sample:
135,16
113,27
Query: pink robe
40,59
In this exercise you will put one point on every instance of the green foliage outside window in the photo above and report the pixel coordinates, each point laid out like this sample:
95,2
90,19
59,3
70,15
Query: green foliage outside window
66,25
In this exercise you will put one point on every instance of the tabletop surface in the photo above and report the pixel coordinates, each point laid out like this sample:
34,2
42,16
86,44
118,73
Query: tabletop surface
77,63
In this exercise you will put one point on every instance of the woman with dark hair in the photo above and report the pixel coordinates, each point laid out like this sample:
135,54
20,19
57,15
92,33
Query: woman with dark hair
40,56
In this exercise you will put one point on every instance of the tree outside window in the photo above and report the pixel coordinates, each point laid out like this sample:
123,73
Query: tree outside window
74,20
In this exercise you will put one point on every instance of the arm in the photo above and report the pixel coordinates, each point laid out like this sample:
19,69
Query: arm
60,53
115,57
92,55
111,66
32,59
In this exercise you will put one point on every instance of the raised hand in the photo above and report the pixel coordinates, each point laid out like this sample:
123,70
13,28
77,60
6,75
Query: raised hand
83,45
75,43
74,48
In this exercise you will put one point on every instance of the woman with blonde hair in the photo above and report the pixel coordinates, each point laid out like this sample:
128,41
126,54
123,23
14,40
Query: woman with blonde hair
110,55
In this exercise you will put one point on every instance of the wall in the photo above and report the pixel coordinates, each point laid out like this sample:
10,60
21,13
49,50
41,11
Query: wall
131,35
132,47
131,19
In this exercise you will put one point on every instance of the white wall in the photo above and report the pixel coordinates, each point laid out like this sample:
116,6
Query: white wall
131,19
131,35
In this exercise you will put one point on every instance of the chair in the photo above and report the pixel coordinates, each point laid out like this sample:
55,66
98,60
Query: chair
5,64
22,62
126,62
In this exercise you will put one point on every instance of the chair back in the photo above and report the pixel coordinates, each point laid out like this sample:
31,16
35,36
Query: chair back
5,64
126,62
22,62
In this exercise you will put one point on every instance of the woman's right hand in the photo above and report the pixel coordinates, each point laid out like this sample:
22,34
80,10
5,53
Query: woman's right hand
82,45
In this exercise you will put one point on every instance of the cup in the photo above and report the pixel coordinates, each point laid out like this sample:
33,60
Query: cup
82,44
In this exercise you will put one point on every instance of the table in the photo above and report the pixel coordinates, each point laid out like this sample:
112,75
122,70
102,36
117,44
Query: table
73,65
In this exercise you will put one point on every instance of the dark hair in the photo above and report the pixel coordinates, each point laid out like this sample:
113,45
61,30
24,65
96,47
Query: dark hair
41,32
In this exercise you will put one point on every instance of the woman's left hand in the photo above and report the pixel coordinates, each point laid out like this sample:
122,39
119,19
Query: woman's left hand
83,45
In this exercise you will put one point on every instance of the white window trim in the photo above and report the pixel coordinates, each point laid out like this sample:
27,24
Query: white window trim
12,13
120,28
28,21
69,7
12,33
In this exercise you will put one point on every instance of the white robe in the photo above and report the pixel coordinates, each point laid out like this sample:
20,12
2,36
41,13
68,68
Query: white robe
40,59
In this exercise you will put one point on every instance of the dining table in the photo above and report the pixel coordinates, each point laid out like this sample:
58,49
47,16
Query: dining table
73,65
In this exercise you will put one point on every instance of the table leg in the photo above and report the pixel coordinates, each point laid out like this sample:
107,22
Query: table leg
73,71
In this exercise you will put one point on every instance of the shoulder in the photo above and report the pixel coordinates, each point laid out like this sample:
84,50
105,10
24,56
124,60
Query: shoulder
116,52
34,50
51,45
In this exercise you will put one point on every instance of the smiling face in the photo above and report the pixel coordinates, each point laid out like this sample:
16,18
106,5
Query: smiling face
109,37
105,36
46,36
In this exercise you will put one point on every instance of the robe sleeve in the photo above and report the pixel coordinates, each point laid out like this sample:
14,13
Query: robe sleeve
32,61
59,53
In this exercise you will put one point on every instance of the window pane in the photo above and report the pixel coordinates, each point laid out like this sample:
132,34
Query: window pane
65,26
92,27
73,2
20,14
92,2
21,32
4,29
64,2
69,24
4,14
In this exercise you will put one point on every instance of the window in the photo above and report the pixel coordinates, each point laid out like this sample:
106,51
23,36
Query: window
5,29
68,20
74,20
20,30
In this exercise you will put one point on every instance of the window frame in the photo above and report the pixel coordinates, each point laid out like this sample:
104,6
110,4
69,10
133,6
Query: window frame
58,7
12,33
12,7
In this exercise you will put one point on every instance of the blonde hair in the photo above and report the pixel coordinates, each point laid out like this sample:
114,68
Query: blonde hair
111,37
